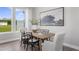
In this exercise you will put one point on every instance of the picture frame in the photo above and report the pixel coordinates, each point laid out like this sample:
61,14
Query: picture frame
52,17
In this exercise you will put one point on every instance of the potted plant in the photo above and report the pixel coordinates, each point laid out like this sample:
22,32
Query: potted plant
34,23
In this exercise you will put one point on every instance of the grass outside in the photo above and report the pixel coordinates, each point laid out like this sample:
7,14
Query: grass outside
5,28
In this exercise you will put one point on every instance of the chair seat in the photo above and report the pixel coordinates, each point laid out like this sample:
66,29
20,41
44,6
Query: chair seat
56,45
33,40
47,42
34,43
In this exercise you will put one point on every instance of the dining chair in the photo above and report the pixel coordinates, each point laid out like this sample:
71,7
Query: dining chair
33,42
43,31
22,31
29,40
22,36
56,45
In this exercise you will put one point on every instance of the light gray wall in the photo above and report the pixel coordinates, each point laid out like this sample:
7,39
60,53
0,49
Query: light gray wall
71,22
36,14
9,36
74,28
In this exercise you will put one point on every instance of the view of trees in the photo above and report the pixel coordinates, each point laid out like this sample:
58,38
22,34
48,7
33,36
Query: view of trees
5,28
6,20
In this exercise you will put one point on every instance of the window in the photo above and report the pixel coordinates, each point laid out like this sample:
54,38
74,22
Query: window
5,19
11,20
20,21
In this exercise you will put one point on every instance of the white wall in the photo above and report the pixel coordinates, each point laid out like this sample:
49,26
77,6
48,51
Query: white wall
36,14
71,22
73,37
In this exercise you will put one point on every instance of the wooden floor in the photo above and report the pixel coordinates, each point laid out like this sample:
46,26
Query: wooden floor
15,46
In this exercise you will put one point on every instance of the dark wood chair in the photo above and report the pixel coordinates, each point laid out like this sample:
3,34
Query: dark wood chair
27,39
22,37
33,42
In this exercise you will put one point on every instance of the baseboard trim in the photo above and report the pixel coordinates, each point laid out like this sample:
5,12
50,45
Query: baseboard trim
71,46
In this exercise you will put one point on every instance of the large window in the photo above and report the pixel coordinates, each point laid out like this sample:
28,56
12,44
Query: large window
5,19
11,19
20,19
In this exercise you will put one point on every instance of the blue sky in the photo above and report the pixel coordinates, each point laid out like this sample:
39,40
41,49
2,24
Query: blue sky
5,12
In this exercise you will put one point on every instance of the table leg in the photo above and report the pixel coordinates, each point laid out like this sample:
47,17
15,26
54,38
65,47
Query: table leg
40,41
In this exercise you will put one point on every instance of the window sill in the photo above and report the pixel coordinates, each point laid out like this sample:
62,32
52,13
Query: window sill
9,32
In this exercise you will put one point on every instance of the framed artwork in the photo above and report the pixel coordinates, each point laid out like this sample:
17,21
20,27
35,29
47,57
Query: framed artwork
53,17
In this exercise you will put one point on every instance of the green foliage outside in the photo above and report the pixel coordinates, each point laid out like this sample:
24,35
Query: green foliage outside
8,21
5,28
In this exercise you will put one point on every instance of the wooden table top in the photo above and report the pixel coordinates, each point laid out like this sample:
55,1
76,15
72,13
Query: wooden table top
42,36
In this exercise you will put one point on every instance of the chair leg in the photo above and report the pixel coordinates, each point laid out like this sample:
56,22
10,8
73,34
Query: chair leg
24,46
43,41
32,47
21,43
27,47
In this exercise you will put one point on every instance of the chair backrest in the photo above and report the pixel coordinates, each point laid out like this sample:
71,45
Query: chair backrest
27,37
43,31
28,34
58,41
23,32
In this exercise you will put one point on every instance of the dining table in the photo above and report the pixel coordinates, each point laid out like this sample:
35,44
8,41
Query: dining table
41,37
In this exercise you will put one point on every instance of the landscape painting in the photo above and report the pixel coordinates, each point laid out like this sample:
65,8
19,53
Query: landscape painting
53,17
